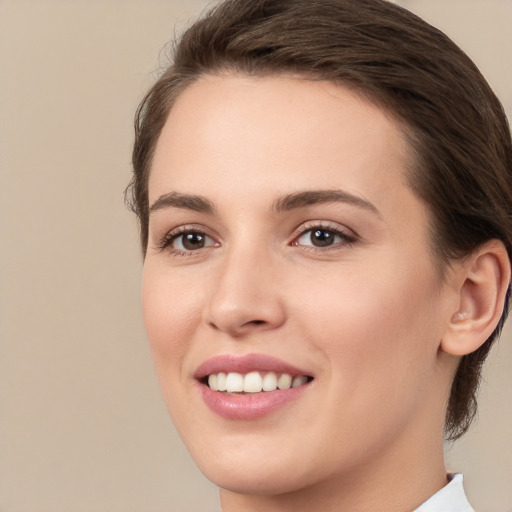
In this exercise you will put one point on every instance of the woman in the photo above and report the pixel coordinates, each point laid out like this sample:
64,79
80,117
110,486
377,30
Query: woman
324,192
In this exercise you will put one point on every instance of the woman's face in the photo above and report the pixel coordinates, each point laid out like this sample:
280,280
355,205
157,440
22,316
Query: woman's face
284,240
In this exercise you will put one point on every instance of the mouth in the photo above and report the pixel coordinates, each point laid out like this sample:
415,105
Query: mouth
253,382
250,386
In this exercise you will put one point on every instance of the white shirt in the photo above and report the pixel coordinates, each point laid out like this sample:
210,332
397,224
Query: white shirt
450,498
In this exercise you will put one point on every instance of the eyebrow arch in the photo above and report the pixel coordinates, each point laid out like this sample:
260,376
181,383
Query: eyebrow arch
185,201
312,197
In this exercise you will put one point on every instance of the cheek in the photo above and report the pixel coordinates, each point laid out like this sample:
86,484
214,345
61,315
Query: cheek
376,330
170,316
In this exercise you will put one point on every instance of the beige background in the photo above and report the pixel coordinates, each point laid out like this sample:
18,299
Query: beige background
82,426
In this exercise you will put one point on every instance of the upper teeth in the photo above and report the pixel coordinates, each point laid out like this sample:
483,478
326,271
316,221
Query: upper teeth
253,382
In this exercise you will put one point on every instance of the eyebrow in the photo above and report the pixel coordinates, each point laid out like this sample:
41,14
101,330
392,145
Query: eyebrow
312,197
282,204
185,201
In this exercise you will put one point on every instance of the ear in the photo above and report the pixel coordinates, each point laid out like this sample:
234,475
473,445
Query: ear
483,281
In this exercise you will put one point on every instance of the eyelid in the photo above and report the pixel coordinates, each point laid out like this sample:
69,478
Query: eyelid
168,237
348,235
324,224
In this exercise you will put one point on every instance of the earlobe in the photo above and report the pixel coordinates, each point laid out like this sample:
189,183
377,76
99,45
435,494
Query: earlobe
484,279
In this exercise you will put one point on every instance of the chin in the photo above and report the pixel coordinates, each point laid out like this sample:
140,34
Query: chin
265,480
263,464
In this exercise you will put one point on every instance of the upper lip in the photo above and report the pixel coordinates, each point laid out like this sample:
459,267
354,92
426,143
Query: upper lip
245,364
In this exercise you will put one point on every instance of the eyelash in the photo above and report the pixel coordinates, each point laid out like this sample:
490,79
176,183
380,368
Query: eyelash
170,237
309,227
346,239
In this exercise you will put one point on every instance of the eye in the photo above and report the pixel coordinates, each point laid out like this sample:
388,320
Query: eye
320,236
186,241
190,241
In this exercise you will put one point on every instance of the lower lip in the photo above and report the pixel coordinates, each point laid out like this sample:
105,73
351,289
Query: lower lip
250,406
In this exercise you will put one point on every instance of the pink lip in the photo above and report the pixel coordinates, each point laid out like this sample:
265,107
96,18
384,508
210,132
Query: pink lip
247,406
245,364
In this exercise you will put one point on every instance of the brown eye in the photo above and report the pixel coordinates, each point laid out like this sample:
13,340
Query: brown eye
320,237
192,241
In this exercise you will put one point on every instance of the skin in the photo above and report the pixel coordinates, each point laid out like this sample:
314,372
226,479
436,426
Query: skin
366,316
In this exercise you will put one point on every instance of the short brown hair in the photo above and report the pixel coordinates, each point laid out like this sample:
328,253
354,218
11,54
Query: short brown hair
454,123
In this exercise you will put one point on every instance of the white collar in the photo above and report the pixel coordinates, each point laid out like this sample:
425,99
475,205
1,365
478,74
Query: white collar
450,498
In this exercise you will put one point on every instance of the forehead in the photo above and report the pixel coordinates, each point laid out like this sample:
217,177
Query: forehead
275,134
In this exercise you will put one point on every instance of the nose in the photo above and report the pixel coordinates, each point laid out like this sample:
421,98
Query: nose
245,296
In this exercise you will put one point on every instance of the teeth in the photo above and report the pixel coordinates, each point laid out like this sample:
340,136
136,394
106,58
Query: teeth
221,381
285,381
296,382
270,382
234,383
253,382
212,382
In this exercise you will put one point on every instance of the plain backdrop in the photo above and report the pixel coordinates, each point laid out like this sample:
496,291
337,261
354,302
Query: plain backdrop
82,425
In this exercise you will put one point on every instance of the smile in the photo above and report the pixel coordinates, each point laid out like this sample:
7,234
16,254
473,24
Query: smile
250,386
254,382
